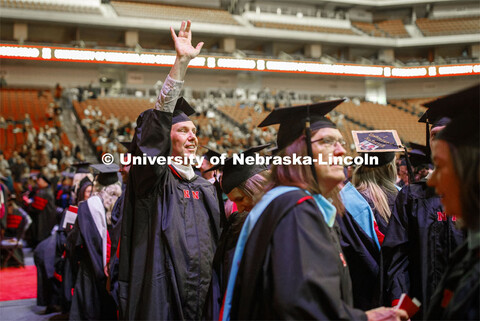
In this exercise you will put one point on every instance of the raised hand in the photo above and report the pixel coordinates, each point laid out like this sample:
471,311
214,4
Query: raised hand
183,42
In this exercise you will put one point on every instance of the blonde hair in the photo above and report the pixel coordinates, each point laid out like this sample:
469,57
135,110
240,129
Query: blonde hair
375,183
109,195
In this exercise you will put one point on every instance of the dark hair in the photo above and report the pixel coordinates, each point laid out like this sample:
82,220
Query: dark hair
466,162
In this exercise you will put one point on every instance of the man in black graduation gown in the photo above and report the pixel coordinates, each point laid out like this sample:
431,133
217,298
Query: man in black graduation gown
171,216
42,211
419,240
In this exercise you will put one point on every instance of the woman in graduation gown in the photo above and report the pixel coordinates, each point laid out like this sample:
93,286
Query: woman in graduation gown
65,269
288,262
456,155
50,262
88,244
419,240
368,202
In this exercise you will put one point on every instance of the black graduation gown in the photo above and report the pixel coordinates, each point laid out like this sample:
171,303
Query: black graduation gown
222,263
44,258
115,231
417,245
363,254
43,213
91,300
169,230
457,296
293,267
65,270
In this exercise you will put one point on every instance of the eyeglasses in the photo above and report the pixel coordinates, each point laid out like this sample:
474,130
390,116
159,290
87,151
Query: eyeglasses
330,142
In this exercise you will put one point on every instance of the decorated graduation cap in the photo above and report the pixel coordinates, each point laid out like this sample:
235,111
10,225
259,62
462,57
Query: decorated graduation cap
182,111
382,144
463,108
235,174
107,173
296,120
82,167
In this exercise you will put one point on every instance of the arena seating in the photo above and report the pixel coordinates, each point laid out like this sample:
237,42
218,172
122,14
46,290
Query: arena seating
393,28
453,26
413,105
369,28
15,103
122,107
64,6
366,116
379,116
174,13
388,28
302,28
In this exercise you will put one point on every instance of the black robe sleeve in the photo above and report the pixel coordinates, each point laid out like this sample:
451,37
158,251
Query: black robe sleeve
395,250
363,256
90,298
152,138
457,296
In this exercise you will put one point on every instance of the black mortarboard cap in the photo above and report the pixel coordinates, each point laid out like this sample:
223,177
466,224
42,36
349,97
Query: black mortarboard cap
127,145
44,178
418,154
210,153
81,168
84,181
292,120
108,173
235,174
182,111
383,158
463,108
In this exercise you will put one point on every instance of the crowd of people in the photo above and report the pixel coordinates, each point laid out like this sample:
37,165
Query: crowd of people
251,241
